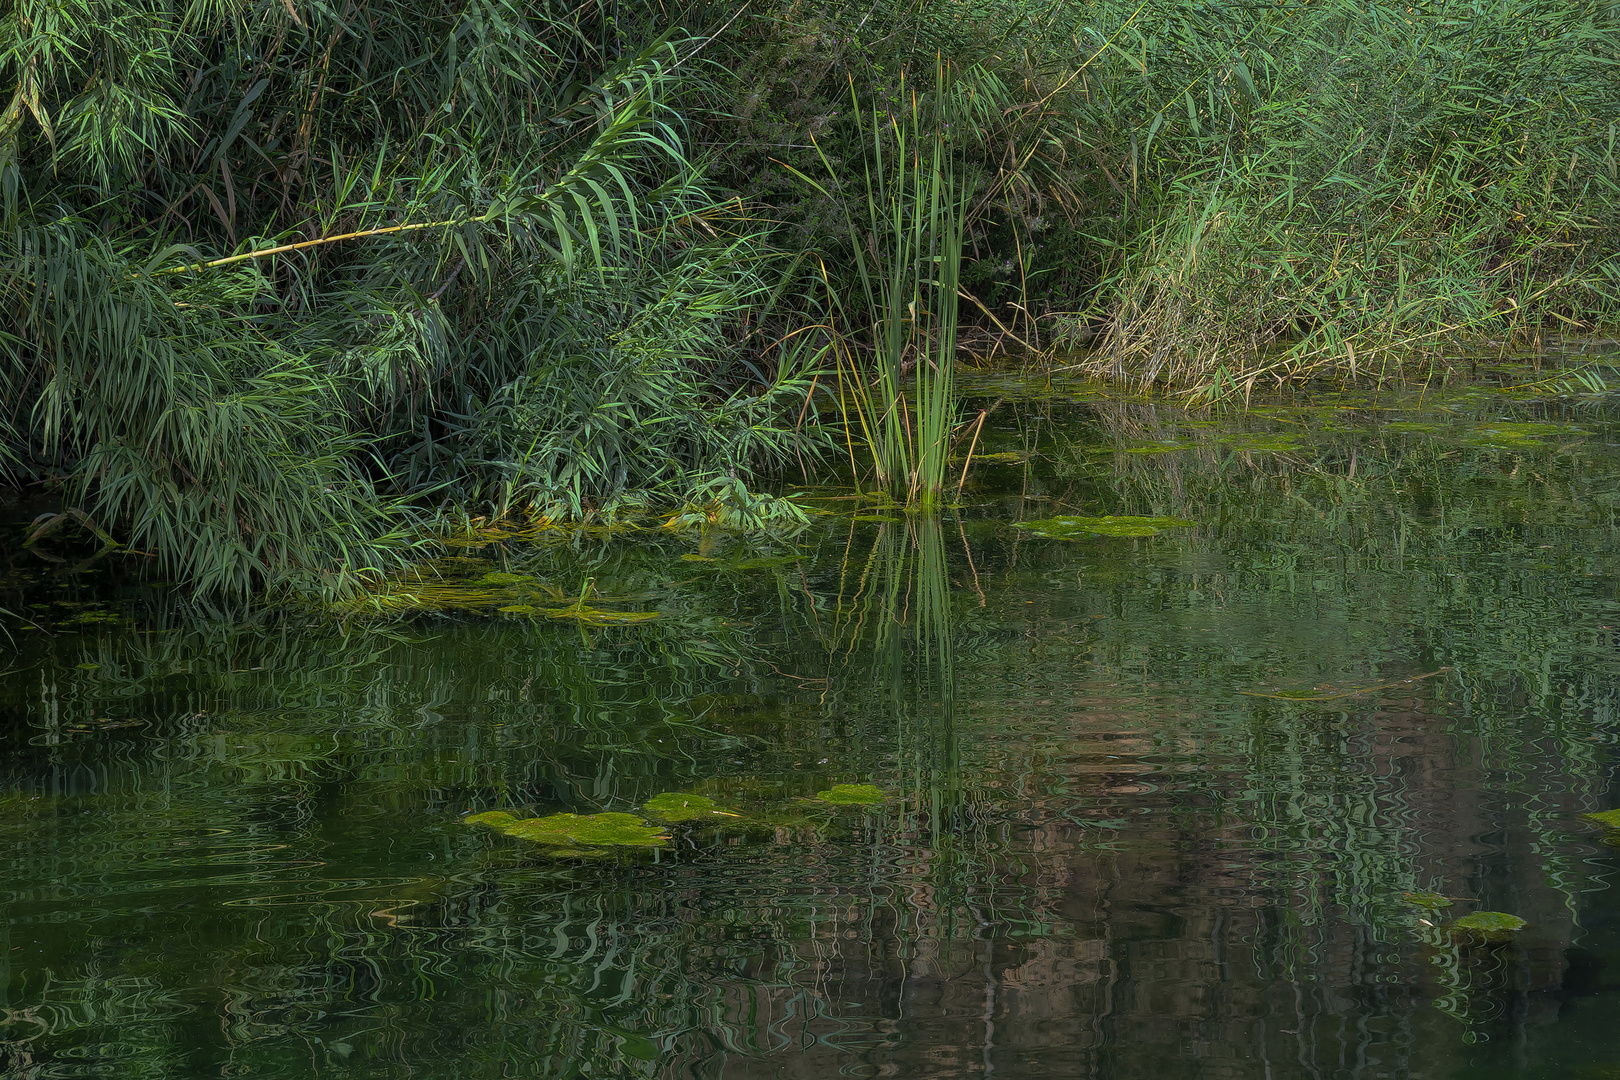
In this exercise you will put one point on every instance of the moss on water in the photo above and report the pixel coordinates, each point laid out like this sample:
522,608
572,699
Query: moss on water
1490,925
851,795
574,830
1509,434
1083,528
679,806
1259,443
1169,446
495,819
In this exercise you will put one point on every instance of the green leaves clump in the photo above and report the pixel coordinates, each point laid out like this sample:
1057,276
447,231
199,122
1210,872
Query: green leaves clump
1431,900
677,806
1083,528
574,830
851,795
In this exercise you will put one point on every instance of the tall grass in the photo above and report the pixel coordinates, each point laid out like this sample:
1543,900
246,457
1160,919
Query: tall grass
1217,196
908,220
1348,188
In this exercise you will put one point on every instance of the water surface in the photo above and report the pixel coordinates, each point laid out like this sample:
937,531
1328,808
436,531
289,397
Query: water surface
1153,806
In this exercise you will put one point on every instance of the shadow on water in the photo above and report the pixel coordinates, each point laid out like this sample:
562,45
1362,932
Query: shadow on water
1181,799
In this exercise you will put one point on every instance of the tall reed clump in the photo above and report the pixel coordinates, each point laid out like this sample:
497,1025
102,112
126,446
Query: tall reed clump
1219,195
1345,188
896,372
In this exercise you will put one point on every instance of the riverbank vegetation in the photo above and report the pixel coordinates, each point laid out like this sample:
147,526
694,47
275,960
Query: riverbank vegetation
291,285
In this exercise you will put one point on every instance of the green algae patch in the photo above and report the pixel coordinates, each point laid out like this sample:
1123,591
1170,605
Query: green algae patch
1260,444
1168,446
1491,925
462,584
574,830
1609,819
495,819
678,806
767,562
1433,901
1509,435
1083,528
497,577
851,795
591,616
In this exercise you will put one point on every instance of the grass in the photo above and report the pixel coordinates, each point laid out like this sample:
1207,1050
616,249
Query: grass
896,366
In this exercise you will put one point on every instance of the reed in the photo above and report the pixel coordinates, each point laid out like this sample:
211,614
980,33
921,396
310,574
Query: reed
896,374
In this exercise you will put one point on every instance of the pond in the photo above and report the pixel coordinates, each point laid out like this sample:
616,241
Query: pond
1191,745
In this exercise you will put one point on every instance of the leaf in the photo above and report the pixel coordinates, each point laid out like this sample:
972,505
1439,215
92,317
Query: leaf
1607,818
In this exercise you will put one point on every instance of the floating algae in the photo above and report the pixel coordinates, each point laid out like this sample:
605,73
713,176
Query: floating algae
1509,435
851,795
1431,900
1084,528
495,819
1254,443
574,830
1329,692
678,806
1490,925
448,584
1607,818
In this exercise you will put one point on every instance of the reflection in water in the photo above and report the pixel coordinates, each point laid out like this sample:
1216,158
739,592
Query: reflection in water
1154,806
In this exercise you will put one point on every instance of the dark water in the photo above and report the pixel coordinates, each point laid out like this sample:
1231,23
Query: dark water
1153,804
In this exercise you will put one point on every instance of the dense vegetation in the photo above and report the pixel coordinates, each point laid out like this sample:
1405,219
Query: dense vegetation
285,281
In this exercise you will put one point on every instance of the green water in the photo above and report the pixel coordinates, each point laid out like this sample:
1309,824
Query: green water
1151,805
